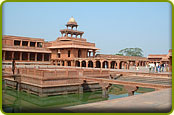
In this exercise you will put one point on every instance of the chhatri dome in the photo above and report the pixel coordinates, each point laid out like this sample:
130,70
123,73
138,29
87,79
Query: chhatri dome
72,21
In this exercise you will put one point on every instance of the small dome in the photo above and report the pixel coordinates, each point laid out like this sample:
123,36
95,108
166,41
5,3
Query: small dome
71,20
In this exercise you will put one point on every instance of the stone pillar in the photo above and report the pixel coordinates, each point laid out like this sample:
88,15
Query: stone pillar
35,56
65,63
80,63
105,87
73,63
20,58
36,44
12,55
128,64
28,56
93,53
28,43
43,57
94,64
115,65
3,57
21,43
130,89
118,64
101,64
56,62
109,64
86,64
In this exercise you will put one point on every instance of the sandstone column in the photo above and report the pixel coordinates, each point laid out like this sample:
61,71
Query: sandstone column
86,64
109,64
28,56
4,55
12,55
43,57
118,64
35,56
94,64
20,58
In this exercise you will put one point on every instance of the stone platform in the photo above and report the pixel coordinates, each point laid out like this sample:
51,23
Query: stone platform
157,101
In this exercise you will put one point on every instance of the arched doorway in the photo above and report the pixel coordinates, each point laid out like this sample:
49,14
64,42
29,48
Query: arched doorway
113,64
77,64
121,65
105,64
90,64
83,63
98,64
69,63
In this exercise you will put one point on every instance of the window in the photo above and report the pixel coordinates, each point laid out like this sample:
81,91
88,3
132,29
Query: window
32,44
24,43
17,42
39,44
68,53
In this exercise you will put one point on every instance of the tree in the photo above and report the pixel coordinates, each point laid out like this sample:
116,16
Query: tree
132,52
119,54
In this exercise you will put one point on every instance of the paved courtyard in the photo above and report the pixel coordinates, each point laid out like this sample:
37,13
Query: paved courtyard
157,101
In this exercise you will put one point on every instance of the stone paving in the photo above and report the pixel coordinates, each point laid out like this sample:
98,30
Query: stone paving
157,101
154,80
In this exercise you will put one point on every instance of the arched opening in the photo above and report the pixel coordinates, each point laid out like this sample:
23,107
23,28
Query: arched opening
83,63
90,64
98,64
121,65
105,64
77,64
113,64
62,63
69,63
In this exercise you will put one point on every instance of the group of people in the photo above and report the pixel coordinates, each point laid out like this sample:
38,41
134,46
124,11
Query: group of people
158,67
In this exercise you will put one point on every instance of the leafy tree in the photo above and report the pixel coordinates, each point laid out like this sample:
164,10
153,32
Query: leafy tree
119,54
132,52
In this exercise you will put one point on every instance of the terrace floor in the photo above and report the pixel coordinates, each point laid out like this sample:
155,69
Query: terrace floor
157,101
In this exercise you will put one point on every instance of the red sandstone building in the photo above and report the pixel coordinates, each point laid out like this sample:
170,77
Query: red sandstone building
163,58
71,49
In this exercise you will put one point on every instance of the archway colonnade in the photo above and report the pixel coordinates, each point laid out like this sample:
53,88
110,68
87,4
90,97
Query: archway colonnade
108,64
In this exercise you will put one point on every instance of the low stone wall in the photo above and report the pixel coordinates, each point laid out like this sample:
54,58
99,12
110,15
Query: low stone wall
142,74
53,90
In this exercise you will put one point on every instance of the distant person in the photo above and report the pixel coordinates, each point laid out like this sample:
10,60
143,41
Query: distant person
156,67
149,68
13,66
137,68
162,67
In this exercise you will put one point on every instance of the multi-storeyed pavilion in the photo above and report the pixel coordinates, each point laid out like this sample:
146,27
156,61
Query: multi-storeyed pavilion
71,49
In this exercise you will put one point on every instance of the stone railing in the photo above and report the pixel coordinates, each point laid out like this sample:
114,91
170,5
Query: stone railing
59,76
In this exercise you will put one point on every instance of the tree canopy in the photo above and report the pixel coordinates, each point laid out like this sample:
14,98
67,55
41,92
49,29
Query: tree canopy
131,52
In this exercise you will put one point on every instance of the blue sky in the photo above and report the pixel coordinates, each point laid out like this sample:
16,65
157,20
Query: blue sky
112,26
